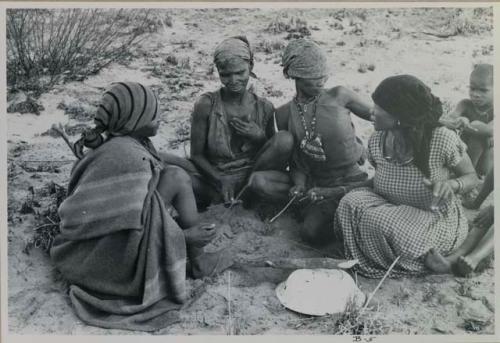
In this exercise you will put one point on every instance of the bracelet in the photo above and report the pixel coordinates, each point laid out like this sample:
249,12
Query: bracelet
460,185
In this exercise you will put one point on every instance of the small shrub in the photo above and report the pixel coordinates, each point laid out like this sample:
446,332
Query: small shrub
45,47
296,27
270,46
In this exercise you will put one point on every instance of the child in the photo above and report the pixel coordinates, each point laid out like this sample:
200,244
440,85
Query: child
478,244
474,117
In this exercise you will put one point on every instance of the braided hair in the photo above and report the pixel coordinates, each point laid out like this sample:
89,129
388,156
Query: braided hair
410,101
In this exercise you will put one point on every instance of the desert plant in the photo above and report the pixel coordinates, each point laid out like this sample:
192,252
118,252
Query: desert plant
46,46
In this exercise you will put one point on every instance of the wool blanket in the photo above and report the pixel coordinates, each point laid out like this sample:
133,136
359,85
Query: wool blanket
122,253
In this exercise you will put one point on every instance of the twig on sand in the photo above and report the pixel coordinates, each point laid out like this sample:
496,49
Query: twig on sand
284,209
59,129
441,35
378,286
230,324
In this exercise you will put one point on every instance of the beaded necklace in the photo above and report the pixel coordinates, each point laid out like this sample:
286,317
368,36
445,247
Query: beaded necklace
311,144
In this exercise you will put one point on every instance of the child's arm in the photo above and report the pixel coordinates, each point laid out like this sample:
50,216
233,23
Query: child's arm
456,119
479,128
354,103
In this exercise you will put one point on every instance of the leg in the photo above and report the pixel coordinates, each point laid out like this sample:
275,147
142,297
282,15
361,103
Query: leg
485,163
486,189
317,228
443,265
271,184
275,153
203,192
475,149
176,189
467,264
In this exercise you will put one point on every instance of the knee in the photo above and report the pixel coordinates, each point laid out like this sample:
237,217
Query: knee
257,181
283,142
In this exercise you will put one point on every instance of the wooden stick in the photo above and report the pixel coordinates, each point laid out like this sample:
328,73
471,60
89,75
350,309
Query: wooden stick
284,209
229,303
378,286
60,130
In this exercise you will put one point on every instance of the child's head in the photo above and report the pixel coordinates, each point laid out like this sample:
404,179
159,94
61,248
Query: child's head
481,86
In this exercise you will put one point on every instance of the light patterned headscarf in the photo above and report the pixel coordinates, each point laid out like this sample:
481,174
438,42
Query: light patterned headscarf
304,59
234,47
125,108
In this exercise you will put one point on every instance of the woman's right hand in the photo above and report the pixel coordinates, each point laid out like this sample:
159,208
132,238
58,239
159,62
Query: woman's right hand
297,190
200,235
441,192
227,189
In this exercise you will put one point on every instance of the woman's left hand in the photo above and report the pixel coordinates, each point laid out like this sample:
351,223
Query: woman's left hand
247,129
441,190
319,193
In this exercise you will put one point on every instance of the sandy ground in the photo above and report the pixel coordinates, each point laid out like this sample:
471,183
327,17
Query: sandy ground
364,46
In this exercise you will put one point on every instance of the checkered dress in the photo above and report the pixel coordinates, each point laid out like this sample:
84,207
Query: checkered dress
393,218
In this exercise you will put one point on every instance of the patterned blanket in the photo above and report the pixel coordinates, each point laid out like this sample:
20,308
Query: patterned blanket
124,256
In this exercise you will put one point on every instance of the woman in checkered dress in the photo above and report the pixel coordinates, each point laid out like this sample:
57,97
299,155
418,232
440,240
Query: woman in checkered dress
410,206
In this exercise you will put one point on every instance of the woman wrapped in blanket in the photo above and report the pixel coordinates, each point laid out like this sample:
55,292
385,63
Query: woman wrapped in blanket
233,136
119,248
327,154
410,208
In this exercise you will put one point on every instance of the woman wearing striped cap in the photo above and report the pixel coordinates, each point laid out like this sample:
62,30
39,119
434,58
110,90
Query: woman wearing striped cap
119,248
233,137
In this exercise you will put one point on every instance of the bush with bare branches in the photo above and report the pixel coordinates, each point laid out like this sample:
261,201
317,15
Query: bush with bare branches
48,46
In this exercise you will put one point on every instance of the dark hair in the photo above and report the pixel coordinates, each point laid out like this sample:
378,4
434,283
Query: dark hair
409,100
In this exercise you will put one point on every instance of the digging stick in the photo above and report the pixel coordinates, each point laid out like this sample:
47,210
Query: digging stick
284,209
302,263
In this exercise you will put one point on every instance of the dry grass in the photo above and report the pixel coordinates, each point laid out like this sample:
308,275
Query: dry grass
47,217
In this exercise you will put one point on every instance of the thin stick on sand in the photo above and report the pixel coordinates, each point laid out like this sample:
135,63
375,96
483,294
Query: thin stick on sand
59,129
229,303
378,286
284,209
235,201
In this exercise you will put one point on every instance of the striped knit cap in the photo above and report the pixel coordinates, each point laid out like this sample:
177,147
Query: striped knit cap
125,108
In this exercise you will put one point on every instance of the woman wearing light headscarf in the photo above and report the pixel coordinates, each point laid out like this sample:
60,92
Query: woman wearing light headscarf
327,153
119,248
411,210
233,141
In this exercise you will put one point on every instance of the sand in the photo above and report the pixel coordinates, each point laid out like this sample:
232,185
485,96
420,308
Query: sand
364,47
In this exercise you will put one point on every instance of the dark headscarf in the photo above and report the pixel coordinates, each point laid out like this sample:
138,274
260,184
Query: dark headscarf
410,101
232,47
125,108
304,59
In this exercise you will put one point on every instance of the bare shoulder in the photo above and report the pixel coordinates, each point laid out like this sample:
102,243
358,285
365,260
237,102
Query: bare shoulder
282,114
268,105
340,93
202,106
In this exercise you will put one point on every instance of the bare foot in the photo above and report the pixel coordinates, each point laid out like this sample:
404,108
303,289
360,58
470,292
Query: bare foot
464,266
200,235
209,264
437,263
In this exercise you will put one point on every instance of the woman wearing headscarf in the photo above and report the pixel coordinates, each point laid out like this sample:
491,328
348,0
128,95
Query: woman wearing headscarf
411,208
327,153
119,248
233,141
